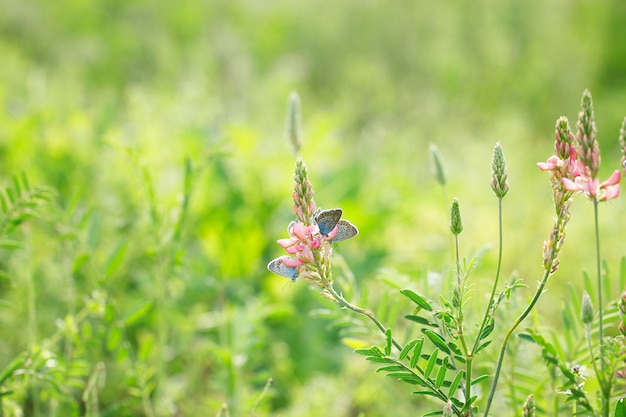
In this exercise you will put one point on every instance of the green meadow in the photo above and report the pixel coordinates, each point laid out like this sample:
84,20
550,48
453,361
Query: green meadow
146,175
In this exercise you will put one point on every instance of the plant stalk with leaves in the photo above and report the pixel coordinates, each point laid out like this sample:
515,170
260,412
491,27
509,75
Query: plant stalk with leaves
441,361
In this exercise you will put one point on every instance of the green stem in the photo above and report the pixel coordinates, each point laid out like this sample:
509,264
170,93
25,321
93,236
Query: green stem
601,376
360,310
495,282
459,311
590,348
508,334
341,300
468,382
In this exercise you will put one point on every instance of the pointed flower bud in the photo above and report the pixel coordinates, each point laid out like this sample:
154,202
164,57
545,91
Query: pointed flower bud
589,151
499,183
303,204
587,309
294,129
437,161
456,225
528,409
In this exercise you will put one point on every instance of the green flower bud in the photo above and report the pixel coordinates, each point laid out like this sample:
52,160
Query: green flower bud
587,309
439,171
456,225
499,183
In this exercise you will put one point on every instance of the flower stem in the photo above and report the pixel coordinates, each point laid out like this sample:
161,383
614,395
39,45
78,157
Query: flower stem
363,311
601,375
508,334
495,282
558,230
469,355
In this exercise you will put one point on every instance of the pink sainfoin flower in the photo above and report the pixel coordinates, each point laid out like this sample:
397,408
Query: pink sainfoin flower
592,188
310,249
576,161
560,166
563,163
303,241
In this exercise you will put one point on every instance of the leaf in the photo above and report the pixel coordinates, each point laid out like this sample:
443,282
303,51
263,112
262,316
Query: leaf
431,363
80,260
437,340
441,373
25,181
10,195
138,313
114,338
365,351
421,320
389,342
378,359
482,346
17,362
11,244
417,351
376,350
432,413
432,394
479,379
3,203
407,348
455,383
455,349
390,368
487,329
417,299
115,259
16,185
620,408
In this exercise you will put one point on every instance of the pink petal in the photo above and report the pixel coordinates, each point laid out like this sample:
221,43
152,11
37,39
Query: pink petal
333,233
613,179
308,254
300,231
610,193
292,250
290,262
571,185
285,243
550,164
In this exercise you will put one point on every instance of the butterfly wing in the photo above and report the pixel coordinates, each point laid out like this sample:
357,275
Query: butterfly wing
345,230
327,220
277,266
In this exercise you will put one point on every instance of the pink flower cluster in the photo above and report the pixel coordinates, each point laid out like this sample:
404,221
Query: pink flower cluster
576,176
302,243
592,188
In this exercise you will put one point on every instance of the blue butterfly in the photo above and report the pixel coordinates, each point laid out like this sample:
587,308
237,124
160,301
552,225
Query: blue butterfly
278,266
327,220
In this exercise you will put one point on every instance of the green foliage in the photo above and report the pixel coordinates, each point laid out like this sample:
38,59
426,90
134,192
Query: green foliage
134,285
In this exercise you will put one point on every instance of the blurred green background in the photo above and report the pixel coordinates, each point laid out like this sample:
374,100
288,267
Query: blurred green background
105,101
